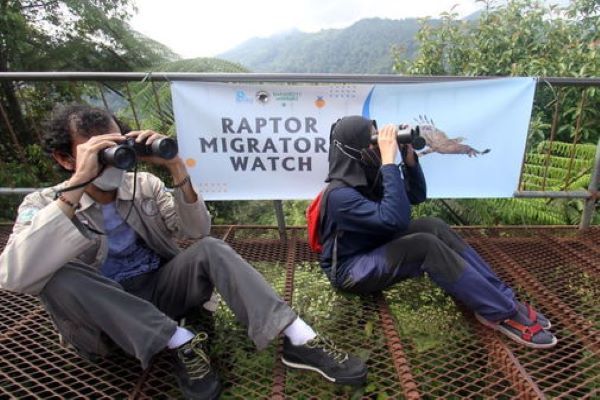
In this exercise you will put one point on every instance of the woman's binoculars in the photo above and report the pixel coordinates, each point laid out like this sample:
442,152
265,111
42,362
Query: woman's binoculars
124,155
407,135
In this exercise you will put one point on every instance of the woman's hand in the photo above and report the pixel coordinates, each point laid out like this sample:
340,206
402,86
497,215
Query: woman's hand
409,155
388,145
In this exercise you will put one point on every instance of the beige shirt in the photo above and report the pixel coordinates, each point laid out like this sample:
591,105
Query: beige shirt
44,238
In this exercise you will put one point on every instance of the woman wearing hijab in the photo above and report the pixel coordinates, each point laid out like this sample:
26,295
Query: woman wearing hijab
370,241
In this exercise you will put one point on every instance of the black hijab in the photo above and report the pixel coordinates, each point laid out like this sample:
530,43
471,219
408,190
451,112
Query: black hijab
351,162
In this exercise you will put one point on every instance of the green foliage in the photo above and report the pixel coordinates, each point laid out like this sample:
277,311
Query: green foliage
257,212
564,167
73,35
519,38
522,38
54,36
424,314
37,170
525,38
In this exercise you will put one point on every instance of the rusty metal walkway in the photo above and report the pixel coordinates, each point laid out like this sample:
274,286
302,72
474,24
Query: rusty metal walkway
417,342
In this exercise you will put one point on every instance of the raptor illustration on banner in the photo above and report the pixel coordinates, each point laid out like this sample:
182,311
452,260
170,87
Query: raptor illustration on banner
436,140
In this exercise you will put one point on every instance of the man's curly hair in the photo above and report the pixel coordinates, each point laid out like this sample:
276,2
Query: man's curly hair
77,119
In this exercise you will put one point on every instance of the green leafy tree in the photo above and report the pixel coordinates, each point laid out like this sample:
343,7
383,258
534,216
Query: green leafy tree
525,38
55,35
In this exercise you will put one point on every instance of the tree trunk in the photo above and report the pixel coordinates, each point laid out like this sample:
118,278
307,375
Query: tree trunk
12,121
16,148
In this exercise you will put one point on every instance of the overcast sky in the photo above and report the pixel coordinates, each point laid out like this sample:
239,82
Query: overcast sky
194,28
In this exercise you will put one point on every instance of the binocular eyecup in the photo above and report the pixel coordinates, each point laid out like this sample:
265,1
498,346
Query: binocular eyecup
124,155
407,135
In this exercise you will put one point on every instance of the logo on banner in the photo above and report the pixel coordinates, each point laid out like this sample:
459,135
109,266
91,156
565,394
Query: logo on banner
262,96
286,96
320,102
242,97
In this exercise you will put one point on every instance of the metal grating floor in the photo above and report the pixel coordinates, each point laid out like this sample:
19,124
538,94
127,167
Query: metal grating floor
417,342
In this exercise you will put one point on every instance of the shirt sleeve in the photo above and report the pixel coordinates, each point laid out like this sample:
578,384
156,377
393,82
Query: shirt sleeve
184,220
354,212
36,248
414,181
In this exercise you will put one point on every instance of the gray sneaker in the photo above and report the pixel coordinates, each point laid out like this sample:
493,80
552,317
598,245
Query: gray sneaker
322,356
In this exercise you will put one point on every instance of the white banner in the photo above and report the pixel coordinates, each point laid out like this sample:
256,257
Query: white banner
259,142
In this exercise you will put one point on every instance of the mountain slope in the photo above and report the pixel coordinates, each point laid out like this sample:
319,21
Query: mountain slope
364,47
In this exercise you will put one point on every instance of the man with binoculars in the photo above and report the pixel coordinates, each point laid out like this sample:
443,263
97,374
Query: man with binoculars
100,251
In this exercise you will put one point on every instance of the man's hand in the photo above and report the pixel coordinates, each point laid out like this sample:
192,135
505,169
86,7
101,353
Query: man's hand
176,166
148,137
87,165
388,145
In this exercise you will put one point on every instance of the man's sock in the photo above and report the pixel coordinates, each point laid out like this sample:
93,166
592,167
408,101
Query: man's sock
299,332
180,337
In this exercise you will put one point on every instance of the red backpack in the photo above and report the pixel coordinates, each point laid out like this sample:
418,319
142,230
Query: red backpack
313,222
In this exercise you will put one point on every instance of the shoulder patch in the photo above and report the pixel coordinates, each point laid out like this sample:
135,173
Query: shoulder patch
26,215
149,207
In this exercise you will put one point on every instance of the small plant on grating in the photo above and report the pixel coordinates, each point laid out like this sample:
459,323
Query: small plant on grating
353,323
565,288
447,356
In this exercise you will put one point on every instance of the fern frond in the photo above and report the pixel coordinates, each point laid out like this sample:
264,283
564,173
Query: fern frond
582,150
558,162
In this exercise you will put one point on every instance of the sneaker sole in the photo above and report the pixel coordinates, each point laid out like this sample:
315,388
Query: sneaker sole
514,336
354,381
189,395
546,327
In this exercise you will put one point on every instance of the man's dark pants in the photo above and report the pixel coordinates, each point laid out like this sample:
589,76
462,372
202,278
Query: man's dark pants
138,314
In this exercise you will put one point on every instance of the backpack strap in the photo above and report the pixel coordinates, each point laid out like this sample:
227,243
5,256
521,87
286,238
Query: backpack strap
336,233
334,260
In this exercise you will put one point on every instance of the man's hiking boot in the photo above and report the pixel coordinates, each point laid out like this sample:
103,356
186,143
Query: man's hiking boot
196,378
321,355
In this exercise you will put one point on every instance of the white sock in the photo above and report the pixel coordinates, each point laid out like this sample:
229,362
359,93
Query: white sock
181,336
299,332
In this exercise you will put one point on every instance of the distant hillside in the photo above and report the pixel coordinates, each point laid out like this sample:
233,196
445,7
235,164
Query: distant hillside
200,64
365,47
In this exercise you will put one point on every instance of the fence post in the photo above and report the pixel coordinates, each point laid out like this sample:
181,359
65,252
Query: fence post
590,202
278,205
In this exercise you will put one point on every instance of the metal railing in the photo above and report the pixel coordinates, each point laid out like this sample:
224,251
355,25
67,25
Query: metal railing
589,196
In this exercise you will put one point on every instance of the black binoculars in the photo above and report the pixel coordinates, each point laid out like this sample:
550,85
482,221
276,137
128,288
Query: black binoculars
407,135
124,155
